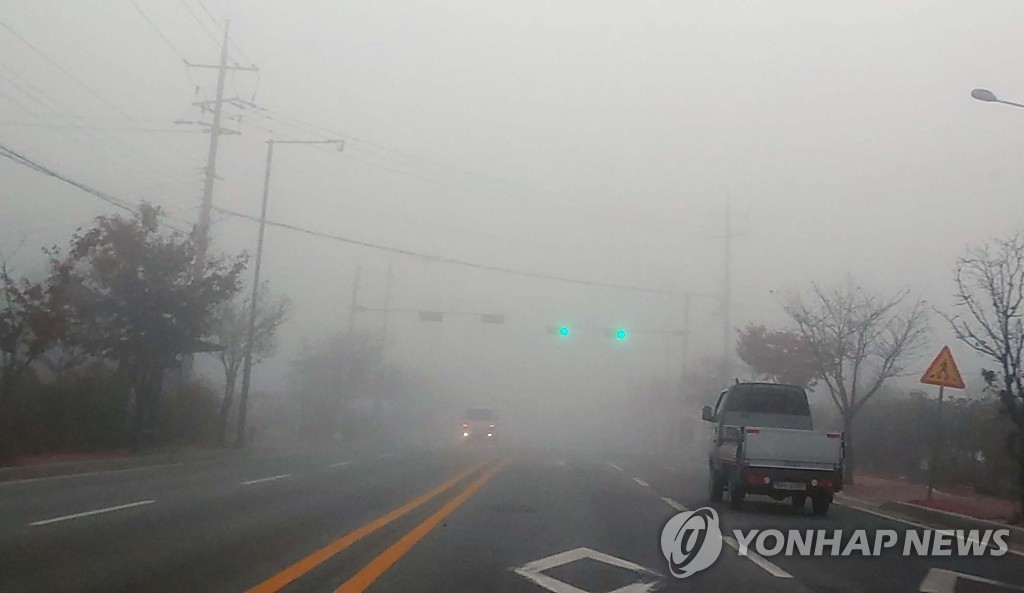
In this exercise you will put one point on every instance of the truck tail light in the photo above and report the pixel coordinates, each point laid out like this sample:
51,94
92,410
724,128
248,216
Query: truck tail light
753,430
758,479
822,483
464,426
834,435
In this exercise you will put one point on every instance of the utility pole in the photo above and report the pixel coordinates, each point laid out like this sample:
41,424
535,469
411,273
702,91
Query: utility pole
354,304
216,131
387,302
382,383
727,295
202,229
686,335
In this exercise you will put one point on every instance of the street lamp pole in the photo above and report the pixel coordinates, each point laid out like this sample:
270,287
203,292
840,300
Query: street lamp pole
989,97
250,335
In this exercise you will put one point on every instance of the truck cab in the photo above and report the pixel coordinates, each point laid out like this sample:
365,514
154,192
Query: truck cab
763,442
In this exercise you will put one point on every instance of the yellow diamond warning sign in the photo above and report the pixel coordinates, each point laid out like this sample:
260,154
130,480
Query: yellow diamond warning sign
943,371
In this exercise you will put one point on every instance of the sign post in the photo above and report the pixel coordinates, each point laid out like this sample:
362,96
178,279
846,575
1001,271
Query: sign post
944,373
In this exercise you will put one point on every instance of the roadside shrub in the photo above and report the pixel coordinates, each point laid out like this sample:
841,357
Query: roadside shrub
188,413
82,409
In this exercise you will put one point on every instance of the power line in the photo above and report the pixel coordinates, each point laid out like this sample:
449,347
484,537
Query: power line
55,106
25,161
455,178
62,130
207,11
78,81
200,22
31,164
157,30
24,91
457,262
16,79
217,24
64,71
86,127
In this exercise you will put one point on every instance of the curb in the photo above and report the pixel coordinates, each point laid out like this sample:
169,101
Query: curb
71,468
950,519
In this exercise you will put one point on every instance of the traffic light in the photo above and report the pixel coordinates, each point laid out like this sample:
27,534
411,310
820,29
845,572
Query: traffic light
563,330
620,334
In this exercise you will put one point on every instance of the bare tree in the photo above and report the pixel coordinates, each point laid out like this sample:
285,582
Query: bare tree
230,331
990,303
859,340
329,375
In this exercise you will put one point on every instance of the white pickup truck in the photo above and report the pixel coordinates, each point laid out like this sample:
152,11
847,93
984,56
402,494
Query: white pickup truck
764,443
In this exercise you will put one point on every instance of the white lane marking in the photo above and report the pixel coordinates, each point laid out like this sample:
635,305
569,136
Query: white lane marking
260,480
757,559
754,557
641,482
341,463
534,571
958,535
939,580
94,512
615,466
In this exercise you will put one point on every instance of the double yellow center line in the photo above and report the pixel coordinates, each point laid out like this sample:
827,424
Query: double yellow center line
372,571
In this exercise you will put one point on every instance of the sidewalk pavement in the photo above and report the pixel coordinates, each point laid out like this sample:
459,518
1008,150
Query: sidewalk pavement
878,491
905,501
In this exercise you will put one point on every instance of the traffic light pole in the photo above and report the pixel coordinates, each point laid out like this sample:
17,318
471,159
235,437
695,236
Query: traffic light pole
353,306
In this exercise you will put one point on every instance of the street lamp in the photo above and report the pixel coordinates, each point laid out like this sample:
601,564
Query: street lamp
990,97
250,335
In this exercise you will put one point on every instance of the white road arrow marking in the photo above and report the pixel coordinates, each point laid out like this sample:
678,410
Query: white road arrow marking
939,580
534,571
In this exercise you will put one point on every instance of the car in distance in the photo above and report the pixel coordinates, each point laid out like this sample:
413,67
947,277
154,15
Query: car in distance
480,425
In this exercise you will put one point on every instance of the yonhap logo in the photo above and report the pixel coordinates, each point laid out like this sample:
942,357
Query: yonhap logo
691,541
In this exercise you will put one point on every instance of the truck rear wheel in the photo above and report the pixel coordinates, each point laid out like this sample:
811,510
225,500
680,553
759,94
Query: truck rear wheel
736,495
715,485
820,503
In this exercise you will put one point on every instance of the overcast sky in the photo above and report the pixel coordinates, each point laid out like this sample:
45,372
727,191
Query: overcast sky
592,139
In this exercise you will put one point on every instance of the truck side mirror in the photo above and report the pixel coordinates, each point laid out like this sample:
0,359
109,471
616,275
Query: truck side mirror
707,414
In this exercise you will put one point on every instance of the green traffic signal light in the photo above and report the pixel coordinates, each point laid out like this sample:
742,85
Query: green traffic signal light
620,334
564,331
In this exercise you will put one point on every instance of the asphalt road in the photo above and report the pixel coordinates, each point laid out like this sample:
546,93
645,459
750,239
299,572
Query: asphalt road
448,520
